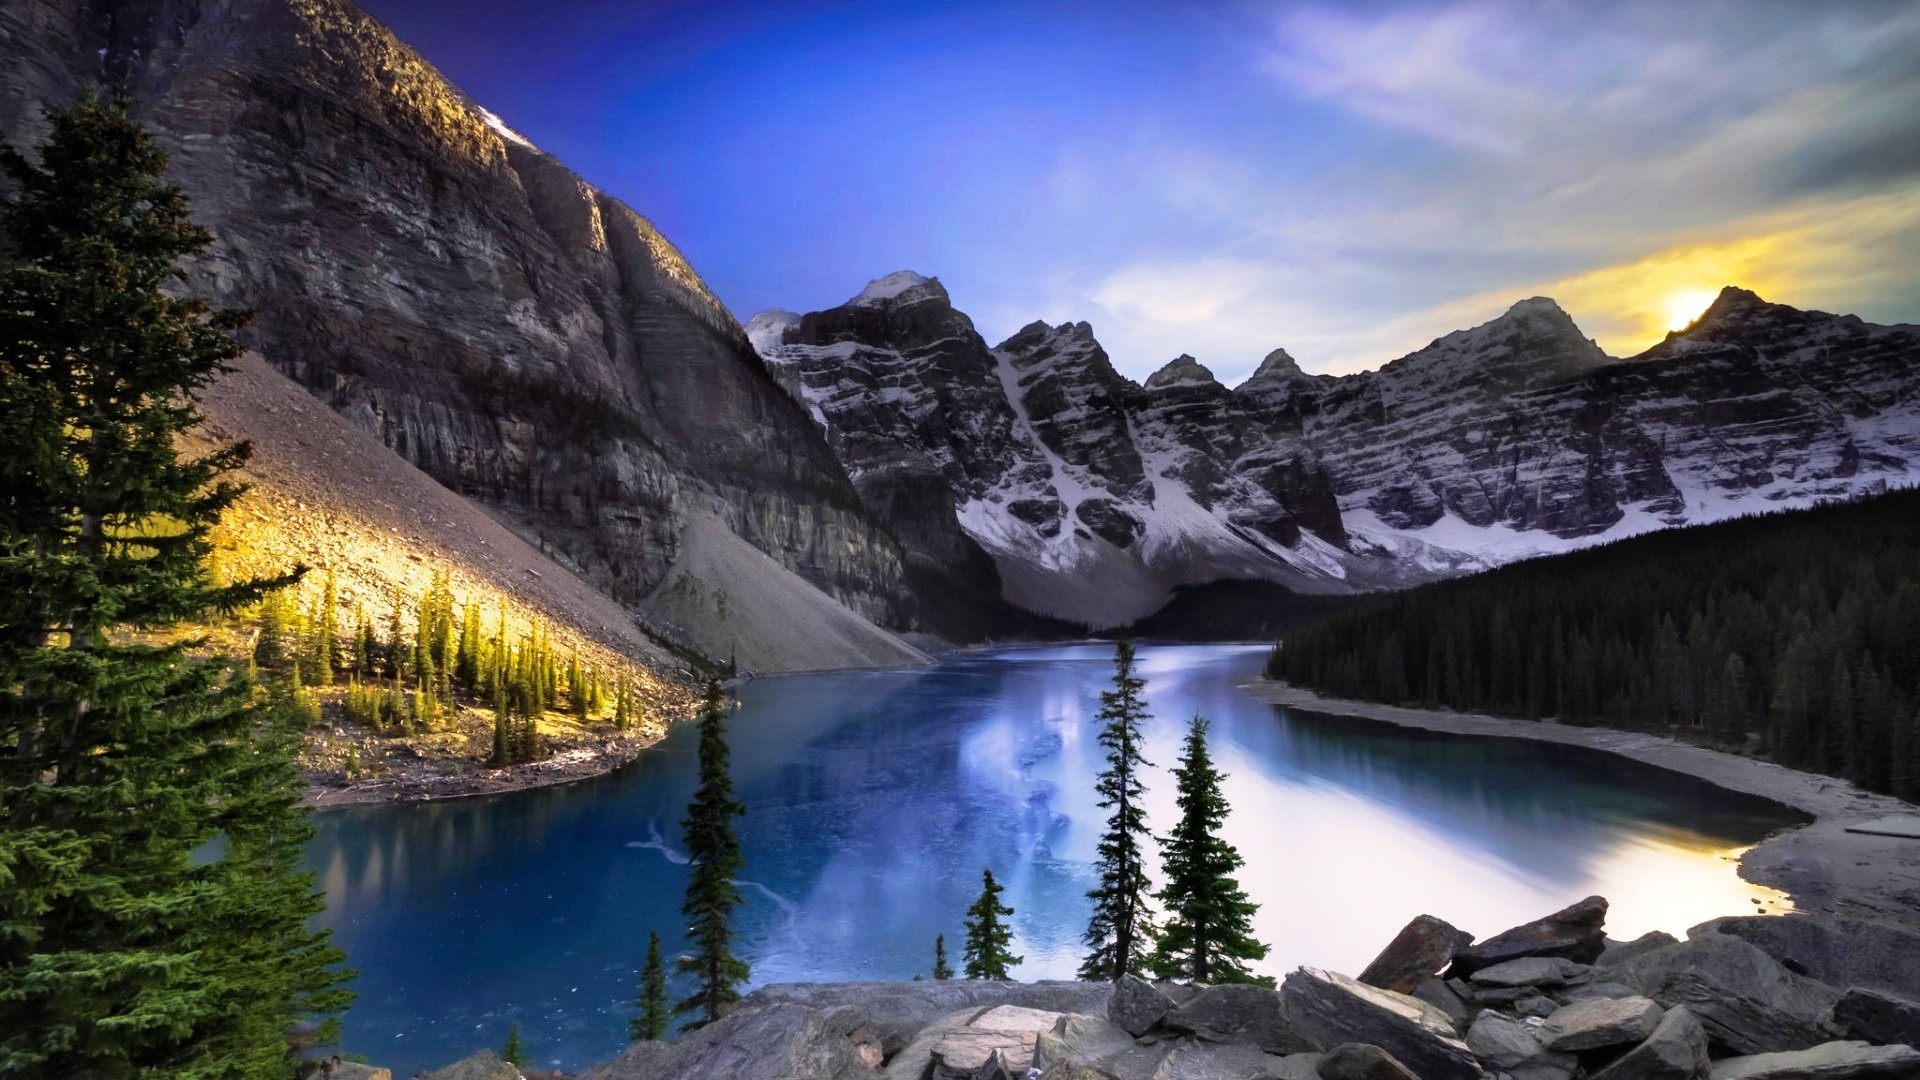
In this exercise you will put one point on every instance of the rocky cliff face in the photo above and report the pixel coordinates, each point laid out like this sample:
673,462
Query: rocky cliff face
525,339
1096,495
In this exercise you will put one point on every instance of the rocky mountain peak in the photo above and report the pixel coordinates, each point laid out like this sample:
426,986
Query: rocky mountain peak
1278,365
900,288
1181,370
769,328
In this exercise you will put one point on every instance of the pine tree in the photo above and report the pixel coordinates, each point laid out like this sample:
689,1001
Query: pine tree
124,950
1120,933
713,853
941,971
989,954
652,1001
514,1052
1208,932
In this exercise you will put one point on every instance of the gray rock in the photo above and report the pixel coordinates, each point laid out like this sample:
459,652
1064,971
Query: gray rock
1137,1004
894,1013
1536,1006
1594,1025
958,1051
1577,932
1068,1070
1330,1009
1877,1017
1359,1061
1619,951
485,1065
336,1069
1828,1061
1676,1050
1514,1047
1087,1040
1238,1013
1421,949
1729,961
1837,950
1532,971
1734,1022
1441,995
767,1042
1593,991
996,1068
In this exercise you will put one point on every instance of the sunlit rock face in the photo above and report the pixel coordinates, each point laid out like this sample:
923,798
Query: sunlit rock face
522,337
1094,494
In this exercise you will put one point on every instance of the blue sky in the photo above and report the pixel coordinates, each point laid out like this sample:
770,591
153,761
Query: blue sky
1347,181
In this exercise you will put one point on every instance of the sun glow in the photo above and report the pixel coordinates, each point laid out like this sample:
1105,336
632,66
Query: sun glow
1684,307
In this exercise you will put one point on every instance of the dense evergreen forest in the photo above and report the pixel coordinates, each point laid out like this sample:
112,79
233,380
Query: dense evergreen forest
1795,635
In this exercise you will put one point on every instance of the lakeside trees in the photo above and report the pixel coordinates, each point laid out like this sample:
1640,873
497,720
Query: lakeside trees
651,1002
1798,630
713,853
988,952
1207,935
941,970
1119,933
154,919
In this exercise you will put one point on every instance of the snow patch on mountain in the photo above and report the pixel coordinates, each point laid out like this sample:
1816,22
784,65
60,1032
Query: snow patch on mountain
891,287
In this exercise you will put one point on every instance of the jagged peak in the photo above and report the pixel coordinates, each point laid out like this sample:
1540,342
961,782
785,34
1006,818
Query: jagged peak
898,287
1732,300
1278,364
1181,370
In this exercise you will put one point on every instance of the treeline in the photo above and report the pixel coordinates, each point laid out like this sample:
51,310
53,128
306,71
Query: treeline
1794,634
408,672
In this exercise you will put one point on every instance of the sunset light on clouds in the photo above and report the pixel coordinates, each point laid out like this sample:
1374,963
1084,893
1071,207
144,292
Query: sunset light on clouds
1345,181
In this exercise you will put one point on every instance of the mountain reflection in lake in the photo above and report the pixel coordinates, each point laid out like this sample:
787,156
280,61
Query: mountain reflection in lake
874,800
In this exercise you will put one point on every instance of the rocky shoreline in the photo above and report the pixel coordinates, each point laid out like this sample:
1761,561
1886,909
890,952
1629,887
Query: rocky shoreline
1793,997
1823,866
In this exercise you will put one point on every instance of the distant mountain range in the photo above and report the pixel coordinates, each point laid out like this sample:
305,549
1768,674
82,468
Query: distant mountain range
775,492
1095,495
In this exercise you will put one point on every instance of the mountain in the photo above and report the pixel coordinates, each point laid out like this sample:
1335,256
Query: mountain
1097,497
525,339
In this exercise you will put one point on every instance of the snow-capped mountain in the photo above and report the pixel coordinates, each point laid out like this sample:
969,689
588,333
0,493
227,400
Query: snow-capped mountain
1094,495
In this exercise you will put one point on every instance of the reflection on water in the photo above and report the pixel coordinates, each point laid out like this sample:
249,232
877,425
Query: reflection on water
874,799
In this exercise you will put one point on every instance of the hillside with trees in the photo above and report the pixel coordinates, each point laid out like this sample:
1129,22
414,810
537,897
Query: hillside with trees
1793,635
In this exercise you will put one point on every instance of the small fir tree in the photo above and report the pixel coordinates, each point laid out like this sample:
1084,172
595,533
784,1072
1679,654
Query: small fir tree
1120,932
1207,936
941,971
514,1052
713,853
989,954
652,1001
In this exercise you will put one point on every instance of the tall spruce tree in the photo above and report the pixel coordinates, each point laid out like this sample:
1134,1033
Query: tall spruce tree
124,950
1120,931
652,1000
989,952
1207,935
713,853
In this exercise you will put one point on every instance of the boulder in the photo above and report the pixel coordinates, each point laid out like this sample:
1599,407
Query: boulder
1086,1040
1422,948
1532,971
996,1068
1619,951
1734,1022
1358,1061
485,1065
1729,961
1831,948
1238,1013
1137,1004
1577,932
1513,1047
959,1052
1593,991
1439,994
760,1043
1328,1009
1828,1061
893,1013
1676,1050
1878,1017
1225,1061
1067,1070
1595,1025
1536,1006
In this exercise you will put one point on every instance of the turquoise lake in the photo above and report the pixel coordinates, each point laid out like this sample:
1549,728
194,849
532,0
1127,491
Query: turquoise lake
875,798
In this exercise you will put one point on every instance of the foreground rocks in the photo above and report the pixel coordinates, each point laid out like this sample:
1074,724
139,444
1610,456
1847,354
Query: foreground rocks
1551,1000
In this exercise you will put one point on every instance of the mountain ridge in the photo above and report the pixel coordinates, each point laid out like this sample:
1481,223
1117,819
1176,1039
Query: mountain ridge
1517,436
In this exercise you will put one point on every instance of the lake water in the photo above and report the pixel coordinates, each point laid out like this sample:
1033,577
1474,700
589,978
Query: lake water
874,800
